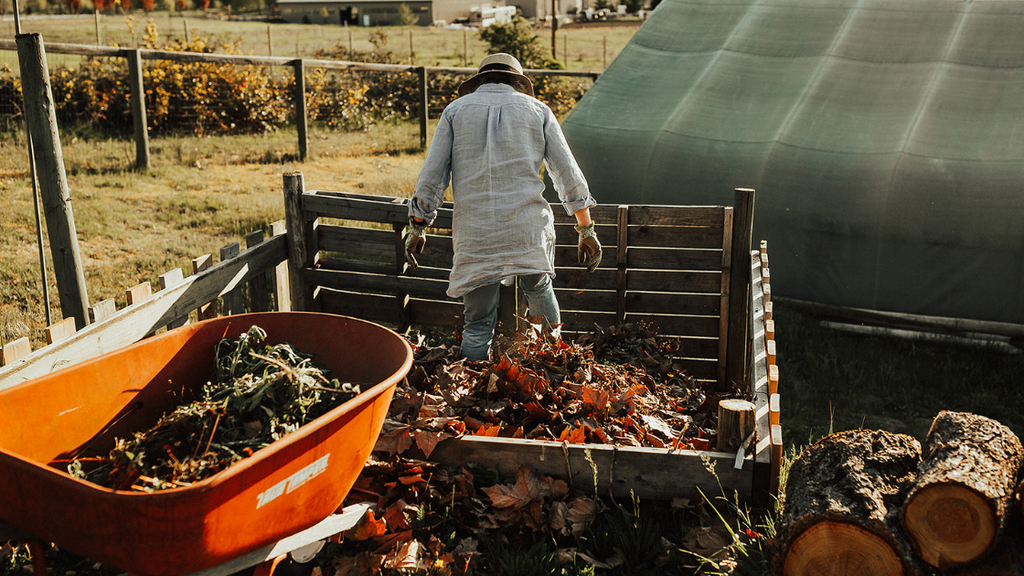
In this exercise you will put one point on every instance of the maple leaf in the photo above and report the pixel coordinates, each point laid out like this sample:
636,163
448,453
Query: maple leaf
491,431
368,527
427,441
395,441
504,496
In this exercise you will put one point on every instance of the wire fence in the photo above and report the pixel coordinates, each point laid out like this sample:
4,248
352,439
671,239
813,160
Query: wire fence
193,93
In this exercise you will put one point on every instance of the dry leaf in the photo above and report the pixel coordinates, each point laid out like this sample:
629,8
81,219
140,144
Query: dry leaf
407,557
358,565
582,512
368,527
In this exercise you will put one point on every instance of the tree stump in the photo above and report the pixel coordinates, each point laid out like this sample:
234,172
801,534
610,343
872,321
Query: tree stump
735,423
960,504
841,514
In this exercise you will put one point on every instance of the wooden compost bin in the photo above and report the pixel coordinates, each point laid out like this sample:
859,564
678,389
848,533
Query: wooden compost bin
688,269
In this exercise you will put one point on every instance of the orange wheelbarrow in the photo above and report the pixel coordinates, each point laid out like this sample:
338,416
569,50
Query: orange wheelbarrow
248,511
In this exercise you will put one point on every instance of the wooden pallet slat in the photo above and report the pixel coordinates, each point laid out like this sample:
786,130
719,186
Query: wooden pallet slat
15,350
102,309
170,279
139,293
60,330
206,310
258,295
707,304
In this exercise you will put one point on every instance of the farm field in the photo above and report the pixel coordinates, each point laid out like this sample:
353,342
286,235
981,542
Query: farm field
589,48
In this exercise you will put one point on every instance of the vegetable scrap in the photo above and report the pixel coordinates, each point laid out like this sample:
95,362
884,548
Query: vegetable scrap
258,393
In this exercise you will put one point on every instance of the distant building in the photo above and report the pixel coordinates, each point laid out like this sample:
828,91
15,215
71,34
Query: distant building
385,12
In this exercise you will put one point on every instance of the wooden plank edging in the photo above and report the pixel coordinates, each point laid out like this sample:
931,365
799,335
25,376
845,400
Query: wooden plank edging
648,473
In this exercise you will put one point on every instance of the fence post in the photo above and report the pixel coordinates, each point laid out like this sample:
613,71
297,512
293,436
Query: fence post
743,223
300,240
424,105
300,107
138,109
41,118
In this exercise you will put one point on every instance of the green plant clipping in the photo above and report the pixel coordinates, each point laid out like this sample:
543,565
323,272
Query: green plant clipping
259,393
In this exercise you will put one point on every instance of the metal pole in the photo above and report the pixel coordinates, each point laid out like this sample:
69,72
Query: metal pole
35,193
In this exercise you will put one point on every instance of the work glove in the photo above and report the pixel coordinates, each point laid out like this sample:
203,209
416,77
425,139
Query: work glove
415,239
589,248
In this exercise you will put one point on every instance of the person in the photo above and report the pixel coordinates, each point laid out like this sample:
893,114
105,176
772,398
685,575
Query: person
490,144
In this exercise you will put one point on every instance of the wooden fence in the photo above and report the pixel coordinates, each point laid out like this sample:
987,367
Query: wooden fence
310,264
135,56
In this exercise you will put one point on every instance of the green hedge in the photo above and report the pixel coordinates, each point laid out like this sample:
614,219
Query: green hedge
203,98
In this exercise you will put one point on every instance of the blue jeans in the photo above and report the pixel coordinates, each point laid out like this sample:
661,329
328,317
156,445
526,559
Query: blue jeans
481,311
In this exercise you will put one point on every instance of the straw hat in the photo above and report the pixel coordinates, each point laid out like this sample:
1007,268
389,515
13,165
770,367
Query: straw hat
499,63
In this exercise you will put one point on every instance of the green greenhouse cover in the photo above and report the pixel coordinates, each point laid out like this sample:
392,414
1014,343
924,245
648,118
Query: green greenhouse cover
884,139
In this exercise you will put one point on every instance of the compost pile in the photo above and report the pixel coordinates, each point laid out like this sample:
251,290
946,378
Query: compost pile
258,393
616,386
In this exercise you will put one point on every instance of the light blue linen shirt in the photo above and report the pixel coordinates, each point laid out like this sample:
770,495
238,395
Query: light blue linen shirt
490,145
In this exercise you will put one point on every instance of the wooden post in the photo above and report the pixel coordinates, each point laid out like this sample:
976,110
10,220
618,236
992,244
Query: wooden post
412,52
300,232
41,118
349,40
743,220
424,105
604,52
270,42
621,248
185,22
735,423
96,17
300,107
139,109
554,29
465,47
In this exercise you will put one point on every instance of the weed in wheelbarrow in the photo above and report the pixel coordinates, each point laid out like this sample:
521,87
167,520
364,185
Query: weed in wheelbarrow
258,394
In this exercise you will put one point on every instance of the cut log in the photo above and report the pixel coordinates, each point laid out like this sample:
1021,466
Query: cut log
961,500
735,423
1007,559
841,514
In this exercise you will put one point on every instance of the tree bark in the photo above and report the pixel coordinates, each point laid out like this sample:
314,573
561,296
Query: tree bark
961,501
841,514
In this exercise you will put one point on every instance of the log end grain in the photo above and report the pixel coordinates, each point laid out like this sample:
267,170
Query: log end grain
840,549
961,499
951,525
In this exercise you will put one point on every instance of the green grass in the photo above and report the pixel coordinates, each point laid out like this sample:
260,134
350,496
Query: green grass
830,380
